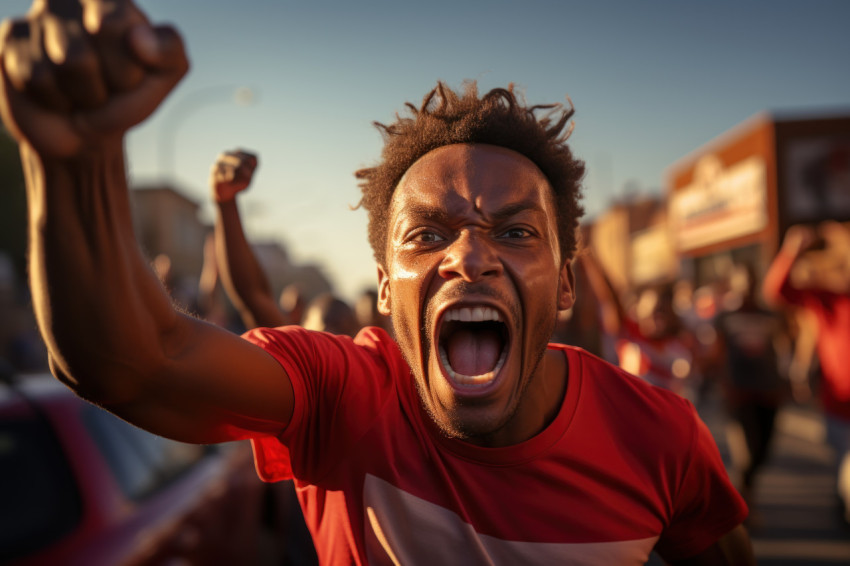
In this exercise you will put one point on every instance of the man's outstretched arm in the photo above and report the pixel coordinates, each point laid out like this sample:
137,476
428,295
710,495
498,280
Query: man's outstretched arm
243,277
75,77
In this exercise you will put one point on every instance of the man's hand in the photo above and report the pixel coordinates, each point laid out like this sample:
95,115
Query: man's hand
77,74
231,173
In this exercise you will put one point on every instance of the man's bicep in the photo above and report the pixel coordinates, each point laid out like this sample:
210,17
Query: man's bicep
215,386
732,549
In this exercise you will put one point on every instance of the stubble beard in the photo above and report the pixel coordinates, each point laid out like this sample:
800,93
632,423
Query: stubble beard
449,423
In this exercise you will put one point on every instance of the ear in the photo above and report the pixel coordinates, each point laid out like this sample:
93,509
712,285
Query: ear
383,292
566,286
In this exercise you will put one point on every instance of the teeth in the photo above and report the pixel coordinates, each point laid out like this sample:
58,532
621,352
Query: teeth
472,314
476,314
471,380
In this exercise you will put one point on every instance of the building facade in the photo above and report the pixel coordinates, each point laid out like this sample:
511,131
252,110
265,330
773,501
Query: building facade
732,200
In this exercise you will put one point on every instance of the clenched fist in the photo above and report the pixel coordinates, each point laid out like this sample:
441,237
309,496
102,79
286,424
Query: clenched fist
77,74
231,174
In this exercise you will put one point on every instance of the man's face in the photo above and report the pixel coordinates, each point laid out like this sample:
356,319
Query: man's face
473,281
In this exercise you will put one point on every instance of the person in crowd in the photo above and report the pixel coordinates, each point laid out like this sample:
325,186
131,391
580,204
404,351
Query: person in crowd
244,278
241,273
803,366
811,271
367,311
466,440
754,341
292,303
649,341
580,324
329,313
697,308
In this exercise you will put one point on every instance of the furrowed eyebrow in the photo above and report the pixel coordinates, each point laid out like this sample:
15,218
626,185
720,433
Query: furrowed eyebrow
438,214
511,210
427,213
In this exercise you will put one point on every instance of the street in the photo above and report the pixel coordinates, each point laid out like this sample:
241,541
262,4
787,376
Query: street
796,518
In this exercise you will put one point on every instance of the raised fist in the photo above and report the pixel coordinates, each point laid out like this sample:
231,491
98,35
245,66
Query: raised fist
78,73
799,238
231,174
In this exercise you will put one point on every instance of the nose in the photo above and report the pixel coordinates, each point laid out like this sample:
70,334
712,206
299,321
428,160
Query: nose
471,257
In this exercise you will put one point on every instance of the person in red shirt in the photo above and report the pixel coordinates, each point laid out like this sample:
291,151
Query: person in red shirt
817,279
466,440
649,340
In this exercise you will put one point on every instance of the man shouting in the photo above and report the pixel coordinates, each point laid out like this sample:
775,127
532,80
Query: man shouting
469,440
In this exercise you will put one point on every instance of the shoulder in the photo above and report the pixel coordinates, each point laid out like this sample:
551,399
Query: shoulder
371,339
632,405
606,378
295,345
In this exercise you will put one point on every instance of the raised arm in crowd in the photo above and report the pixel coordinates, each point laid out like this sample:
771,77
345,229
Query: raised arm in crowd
243,276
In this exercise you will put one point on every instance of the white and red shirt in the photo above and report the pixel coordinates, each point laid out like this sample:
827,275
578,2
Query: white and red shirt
623,469
666,362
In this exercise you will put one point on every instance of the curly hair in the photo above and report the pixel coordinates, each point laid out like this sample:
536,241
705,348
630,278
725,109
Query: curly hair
499,118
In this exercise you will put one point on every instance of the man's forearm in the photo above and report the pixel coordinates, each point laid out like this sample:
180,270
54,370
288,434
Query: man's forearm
99,307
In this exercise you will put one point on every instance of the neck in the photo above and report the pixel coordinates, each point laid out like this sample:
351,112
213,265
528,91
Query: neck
539,406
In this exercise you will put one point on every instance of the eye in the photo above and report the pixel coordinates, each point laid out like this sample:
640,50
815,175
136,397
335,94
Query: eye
515,233
427,237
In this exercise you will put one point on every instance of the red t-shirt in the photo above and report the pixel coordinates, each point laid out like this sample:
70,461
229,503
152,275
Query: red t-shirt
625,467
833,315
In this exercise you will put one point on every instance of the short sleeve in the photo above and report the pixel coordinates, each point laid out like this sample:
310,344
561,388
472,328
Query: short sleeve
707,505
339,387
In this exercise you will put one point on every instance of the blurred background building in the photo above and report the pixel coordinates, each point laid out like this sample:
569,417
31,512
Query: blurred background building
733,199
729,201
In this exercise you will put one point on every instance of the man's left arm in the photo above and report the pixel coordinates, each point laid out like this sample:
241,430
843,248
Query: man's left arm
707,525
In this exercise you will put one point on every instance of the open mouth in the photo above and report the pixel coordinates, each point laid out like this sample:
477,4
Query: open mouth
473,345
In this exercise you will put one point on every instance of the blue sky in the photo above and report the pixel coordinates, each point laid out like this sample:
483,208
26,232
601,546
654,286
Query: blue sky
651,81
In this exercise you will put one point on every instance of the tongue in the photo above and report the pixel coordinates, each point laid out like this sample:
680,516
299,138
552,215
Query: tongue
474,353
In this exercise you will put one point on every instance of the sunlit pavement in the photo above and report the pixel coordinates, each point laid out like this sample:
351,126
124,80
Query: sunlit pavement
796,518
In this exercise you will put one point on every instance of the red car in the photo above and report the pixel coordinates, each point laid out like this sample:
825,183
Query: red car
80,486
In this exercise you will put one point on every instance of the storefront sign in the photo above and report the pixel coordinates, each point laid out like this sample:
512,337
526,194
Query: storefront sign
720,204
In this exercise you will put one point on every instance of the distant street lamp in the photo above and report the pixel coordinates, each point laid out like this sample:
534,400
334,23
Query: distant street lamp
186,106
